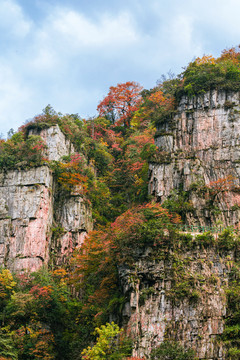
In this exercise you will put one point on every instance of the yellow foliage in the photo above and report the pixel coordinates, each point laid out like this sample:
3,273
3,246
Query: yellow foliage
6,283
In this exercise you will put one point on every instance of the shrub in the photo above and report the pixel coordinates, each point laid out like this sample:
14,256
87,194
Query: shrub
21,152
227,240
205,240
109,345
171,351
186,240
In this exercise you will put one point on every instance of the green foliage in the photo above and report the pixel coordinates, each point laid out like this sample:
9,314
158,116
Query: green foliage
231,331
186,240
208,73
183,282
108,346
7,345
234,353
40,318
57,232
227,240
171,351
20,152
205,240
178,203
101,200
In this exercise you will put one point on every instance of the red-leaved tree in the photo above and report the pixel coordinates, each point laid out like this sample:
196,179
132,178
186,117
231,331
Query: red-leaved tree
120,103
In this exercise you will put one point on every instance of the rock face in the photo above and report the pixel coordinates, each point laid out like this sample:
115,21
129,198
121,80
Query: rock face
57,143
180,297
199,149
26,217
35,226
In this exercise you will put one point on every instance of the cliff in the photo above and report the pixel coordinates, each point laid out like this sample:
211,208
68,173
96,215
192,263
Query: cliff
179,296
175,286
38,223
57,143
199,158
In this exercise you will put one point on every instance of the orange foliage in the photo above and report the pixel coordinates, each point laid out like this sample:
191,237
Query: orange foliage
102,250
68,180
157,103
230,54
206,59
161,100
71,176
138,143
41,292
222,184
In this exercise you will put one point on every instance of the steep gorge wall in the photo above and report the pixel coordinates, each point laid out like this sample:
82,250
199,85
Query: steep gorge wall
200,145
38,223
179,296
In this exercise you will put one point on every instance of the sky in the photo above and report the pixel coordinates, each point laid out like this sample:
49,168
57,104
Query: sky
67,53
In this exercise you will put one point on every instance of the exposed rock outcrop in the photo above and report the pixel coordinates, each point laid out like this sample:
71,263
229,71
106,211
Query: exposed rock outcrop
26,217
36,224
179,297
57,143
201,145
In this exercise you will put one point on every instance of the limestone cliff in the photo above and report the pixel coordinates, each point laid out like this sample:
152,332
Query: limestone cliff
36,225
198,147
178,296
57,143
181,294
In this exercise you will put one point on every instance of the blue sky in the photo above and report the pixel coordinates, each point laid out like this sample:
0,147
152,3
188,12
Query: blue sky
68,53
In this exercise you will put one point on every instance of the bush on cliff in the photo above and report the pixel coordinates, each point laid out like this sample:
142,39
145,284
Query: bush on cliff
171,351
208,73
19,152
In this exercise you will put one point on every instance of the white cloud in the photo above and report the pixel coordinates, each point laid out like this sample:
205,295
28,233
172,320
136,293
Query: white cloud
80,31
69,56
13,20
67,34
14,98
67,30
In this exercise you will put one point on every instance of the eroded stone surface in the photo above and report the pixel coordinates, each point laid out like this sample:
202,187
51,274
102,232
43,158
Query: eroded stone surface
156,312
26,214
201,145
30,211
57,143
75,217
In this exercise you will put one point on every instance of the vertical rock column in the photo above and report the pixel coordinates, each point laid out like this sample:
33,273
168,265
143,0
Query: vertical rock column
26,214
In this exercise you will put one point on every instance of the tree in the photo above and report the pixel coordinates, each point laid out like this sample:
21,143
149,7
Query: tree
120,103
108,346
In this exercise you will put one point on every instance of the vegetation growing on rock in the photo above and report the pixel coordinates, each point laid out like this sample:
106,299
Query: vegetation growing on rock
52,315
